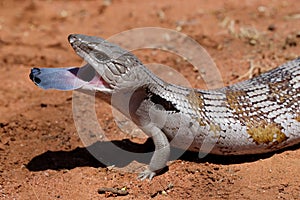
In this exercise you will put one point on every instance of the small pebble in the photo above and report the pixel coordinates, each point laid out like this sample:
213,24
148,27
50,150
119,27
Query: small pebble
271,27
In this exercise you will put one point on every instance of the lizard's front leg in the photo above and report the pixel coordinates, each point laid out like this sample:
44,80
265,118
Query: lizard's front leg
161,153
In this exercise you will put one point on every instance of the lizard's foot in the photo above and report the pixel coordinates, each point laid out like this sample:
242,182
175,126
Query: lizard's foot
146,174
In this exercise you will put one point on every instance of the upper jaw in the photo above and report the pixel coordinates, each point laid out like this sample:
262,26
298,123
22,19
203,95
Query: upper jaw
86,48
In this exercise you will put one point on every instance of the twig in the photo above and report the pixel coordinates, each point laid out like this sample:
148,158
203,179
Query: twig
115,191
250,73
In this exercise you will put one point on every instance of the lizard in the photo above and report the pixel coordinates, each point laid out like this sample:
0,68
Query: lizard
254,116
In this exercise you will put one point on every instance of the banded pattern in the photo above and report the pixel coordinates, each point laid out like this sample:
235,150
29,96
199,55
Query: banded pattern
254,116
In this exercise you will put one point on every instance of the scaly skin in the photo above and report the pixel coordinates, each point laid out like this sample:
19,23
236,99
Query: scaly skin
251,117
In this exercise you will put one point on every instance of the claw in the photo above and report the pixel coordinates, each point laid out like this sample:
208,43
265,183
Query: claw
146,174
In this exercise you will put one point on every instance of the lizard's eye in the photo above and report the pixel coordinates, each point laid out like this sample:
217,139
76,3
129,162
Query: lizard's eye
100,56
86,47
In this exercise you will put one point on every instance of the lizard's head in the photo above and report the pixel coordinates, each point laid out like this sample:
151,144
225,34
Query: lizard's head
110,62
108,68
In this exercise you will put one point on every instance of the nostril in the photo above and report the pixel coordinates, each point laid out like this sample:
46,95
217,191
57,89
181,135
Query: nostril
72,38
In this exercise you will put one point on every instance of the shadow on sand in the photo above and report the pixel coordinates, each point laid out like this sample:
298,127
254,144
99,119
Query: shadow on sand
105,154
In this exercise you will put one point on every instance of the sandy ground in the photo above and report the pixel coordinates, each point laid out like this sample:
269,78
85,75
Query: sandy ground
41,154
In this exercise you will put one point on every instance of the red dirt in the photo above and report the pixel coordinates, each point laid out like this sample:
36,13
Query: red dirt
42,156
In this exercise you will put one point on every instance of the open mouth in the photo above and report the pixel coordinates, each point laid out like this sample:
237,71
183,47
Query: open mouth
73,78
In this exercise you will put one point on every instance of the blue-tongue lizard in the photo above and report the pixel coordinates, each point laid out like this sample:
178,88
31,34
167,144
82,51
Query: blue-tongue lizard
251,117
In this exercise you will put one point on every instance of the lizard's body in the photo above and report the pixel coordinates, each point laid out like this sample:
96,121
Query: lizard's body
255,116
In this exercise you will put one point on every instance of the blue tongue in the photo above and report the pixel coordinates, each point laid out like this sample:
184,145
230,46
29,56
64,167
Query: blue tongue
62,78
